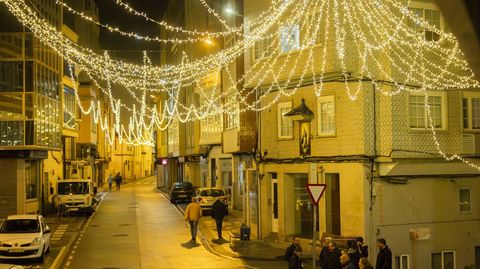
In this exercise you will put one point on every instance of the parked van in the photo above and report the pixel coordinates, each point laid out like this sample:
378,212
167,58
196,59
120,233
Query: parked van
77,195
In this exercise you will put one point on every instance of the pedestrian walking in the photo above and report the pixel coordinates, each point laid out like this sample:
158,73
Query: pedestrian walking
364,263
352,252
118,181
193,213
219,210
330,257
295,261
110,182
362,247
384,256
346,262
291,249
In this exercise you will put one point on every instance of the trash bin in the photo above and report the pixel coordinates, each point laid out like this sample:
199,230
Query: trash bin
244,232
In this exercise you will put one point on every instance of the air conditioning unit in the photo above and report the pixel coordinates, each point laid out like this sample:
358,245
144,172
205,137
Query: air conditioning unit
471,144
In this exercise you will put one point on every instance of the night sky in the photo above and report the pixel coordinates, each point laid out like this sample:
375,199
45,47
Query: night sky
114,15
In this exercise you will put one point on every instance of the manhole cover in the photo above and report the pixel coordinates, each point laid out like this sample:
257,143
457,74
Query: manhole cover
124,224
120,235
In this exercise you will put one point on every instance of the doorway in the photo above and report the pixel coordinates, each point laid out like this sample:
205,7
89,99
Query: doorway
213,172
333,203
477,257
274,192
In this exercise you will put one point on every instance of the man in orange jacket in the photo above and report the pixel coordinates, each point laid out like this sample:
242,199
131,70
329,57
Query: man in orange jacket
193,213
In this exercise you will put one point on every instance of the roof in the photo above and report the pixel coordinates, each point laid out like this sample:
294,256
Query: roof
26,216
210,188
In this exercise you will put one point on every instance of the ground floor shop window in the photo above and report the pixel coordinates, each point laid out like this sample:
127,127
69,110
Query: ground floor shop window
31,179
303,206
443,260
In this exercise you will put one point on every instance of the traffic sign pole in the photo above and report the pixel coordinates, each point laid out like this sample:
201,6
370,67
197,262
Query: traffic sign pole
316,191
314,239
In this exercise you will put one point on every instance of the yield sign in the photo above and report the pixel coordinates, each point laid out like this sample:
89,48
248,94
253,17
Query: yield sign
316,192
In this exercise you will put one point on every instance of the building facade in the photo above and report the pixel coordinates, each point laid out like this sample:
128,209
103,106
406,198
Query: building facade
377,155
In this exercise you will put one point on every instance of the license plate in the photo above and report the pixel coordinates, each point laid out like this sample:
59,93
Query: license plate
15,250
182,196
73,209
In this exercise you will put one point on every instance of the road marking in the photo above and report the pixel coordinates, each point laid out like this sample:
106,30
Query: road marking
57,260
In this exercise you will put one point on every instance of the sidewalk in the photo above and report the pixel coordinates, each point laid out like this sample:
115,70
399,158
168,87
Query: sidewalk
261,250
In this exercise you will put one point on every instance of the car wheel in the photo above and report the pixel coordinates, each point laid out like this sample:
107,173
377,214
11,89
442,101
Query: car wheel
48,250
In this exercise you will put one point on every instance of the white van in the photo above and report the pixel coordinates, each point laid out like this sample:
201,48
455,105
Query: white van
77,195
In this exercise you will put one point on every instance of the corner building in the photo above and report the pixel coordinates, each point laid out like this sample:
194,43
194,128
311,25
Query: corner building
384,174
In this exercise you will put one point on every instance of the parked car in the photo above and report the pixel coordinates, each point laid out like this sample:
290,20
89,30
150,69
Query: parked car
207,196
10,266
181,191
24,237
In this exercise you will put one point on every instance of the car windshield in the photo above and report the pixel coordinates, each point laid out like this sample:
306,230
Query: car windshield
212,192
20,226
67,188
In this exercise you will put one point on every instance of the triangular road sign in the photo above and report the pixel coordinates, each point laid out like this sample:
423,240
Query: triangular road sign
316,192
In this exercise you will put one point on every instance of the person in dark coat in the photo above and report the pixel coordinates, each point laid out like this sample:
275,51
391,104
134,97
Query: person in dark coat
384,256
352,252
362,247
219,210
295,261
118,181
346,262
291,249
330,258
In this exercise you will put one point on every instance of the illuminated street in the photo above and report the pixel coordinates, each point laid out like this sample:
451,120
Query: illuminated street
332,134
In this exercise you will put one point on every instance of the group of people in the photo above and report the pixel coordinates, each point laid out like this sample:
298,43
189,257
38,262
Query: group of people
118,181
354,256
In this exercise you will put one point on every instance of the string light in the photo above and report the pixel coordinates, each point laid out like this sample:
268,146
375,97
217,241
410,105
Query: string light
368,41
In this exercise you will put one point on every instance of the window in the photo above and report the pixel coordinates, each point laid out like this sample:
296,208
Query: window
402,261
231,117
289,38
69,108
285,125
313,31
443,260
31,184
418,111
464,199
326,115
430,16
471,112
264,47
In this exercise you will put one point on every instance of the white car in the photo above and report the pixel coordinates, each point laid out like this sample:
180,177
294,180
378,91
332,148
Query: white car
207,196
24,237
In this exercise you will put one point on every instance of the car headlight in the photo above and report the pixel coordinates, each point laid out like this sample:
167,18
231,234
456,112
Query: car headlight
35,242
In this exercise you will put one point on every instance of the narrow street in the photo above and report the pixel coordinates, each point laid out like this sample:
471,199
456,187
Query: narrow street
139,228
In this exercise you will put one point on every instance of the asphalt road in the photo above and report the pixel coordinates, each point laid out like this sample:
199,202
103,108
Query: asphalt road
137,227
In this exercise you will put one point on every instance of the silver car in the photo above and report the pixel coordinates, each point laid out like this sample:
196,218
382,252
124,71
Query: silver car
207,196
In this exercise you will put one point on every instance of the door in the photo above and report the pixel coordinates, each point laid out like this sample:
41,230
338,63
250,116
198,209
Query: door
274,191
333,203
477,257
